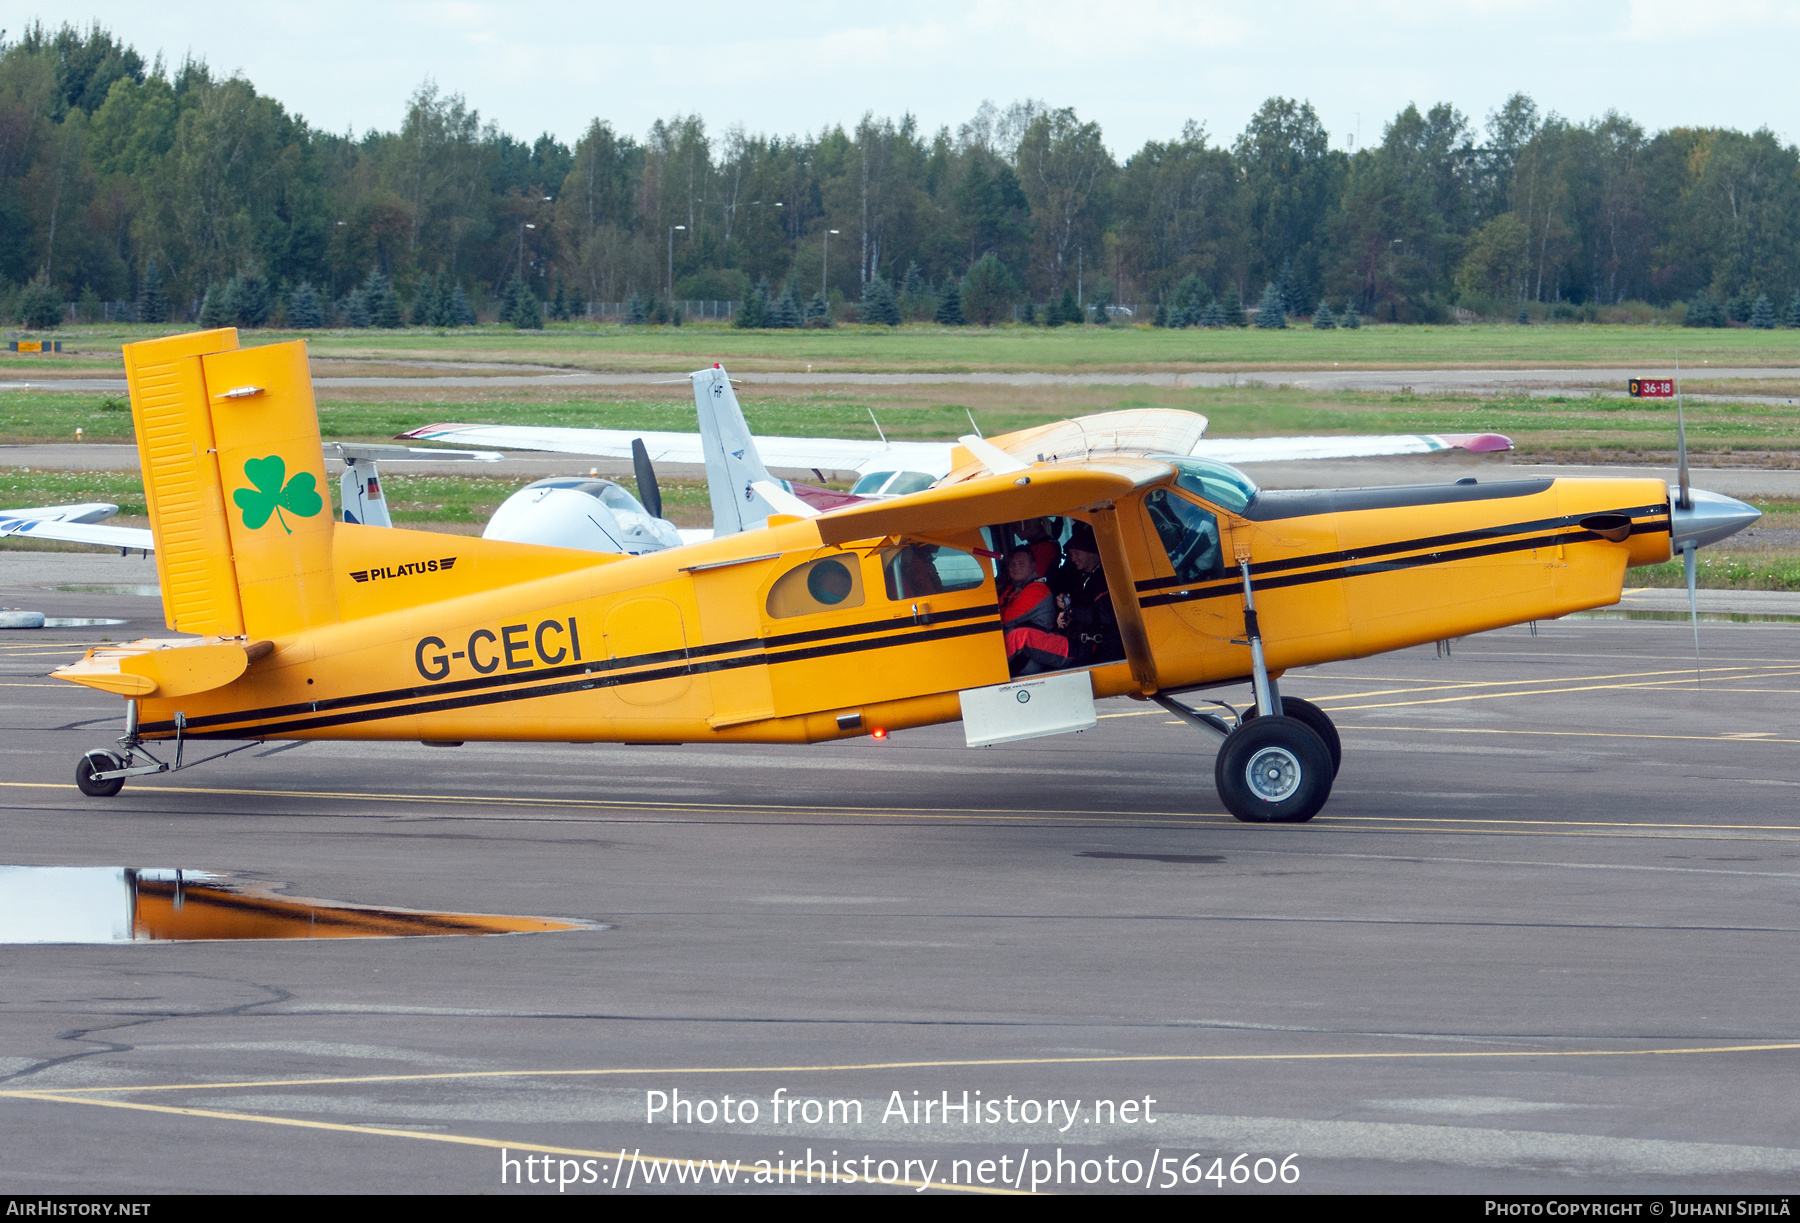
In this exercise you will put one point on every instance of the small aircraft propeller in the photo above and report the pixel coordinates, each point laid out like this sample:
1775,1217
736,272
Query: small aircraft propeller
648,492
1698,518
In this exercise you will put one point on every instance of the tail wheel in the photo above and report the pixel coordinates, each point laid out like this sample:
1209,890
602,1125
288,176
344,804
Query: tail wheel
1273,771
98,761
1318,720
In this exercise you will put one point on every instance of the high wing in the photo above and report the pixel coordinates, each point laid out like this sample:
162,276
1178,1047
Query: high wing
799,453
1281,449
86,511
136,539
845,454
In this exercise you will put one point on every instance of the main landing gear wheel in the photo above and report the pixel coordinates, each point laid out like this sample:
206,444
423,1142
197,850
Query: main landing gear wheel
98,761
1317,719
1273,770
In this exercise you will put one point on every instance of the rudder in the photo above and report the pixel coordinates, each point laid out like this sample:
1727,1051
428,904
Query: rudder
235,480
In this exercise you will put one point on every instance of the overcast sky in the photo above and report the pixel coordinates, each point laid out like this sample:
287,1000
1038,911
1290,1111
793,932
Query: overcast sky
1141,68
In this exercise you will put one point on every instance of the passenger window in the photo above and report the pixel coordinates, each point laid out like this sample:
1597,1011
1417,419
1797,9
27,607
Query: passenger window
1189,534
833,583
927,569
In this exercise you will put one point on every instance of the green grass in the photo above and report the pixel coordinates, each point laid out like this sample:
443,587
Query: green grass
927,347
1723,571
1567,427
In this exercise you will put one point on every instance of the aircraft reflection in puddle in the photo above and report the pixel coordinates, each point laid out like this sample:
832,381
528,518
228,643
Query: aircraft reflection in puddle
122,904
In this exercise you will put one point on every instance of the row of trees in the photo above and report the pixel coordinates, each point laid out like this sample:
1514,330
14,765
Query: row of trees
111,166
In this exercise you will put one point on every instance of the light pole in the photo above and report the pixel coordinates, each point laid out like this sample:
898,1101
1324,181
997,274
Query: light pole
825,263
523,226
672,230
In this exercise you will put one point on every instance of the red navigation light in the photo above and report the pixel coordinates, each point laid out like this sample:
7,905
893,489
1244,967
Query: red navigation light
716,365
880,732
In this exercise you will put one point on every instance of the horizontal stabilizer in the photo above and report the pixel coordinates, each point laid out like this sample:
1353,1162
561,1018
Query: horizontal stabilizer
164,668
102,534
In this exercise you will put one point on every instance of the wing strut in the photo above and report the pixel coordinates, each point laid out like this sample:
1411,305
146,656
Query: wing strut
1122,586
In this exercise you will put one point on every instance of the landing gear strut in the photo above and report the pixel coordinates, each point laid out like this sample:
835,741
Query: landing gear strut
1279,756
101,773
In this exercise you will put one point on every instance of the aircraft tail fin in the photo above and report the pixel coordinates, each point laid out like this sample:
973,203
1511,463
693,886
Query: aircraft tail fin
733,466
234,478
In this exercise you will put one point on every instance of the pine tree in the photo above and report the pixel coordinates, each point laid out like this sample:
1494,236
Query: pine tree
1271,312
878,304
753,311
305,311
509,299
1762,314
251,300
916,299
1322,317
1524,318
40,305
461,312
1737,309
786,313
1793,311
1291,300
1350,319
1212,316
1232,312
1029,317
527,314
426,306
212,309
818,311
949,310
1102,308
559,305
636,312
387,314
1067,310
1704,311
1161,317
153,307
356,308
988,292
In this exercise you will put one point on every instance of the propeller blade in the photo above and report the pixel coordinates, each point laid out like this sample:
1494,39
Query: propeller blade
1681,462
648,492
1688,553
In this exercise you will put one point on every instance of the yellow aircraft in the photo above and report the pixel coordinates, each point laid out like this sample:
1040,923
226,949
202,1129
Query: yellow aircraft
864,620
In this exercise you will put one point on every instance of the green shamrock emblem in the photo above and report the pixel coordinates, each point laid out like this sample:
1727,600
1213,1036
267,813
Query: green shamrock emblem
270,496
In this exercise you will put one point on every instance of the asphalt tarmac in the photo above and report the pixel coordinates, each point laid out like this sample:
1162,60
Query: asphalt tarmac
1540,940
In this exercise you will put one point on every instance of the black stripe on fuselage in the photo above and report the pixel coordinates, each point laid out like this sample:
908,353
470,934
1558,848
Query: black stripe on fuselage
1213,590
603,673
1202,587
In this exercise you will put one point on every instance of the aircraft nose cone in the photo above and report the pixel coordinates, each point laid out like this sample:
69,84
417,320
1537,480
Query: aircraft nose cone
1714,517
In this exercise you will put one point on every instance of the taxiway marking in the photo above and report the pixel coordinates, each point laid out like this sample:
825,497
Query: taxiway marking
616,1157
73,1094
1176,819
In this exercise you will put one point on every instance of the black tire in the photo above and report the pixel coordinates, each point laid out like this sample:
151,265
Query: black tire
1316,718
1273,771
98,761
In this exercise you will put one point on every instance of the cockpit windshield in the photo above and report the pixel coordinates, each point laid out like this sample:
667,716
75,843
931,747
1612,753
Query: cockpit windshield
1219,483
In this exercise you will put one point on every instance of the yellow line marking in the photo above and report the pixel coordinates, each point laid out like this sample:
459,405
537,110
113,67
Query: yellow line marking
70,1093
1189,819
1489,696
615,1157
1569,734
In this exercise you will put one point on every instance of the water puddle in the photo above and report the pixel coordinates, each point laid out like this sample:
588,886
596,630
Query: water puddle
113,590
1684,618
123,904
78,621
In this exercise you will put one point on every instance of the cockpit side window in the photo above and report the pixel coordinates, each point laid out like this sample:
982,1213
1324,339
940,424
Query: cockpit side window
1189,534
918,570
871,483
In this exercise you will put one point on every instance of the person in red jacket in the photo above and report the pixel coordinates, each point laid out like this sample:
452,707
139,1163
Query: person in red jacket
1041,542
1028,616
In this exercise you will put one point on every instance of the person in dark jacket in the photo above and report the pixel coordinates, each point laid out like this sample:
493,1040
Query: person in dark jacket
1028,615
1086,615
